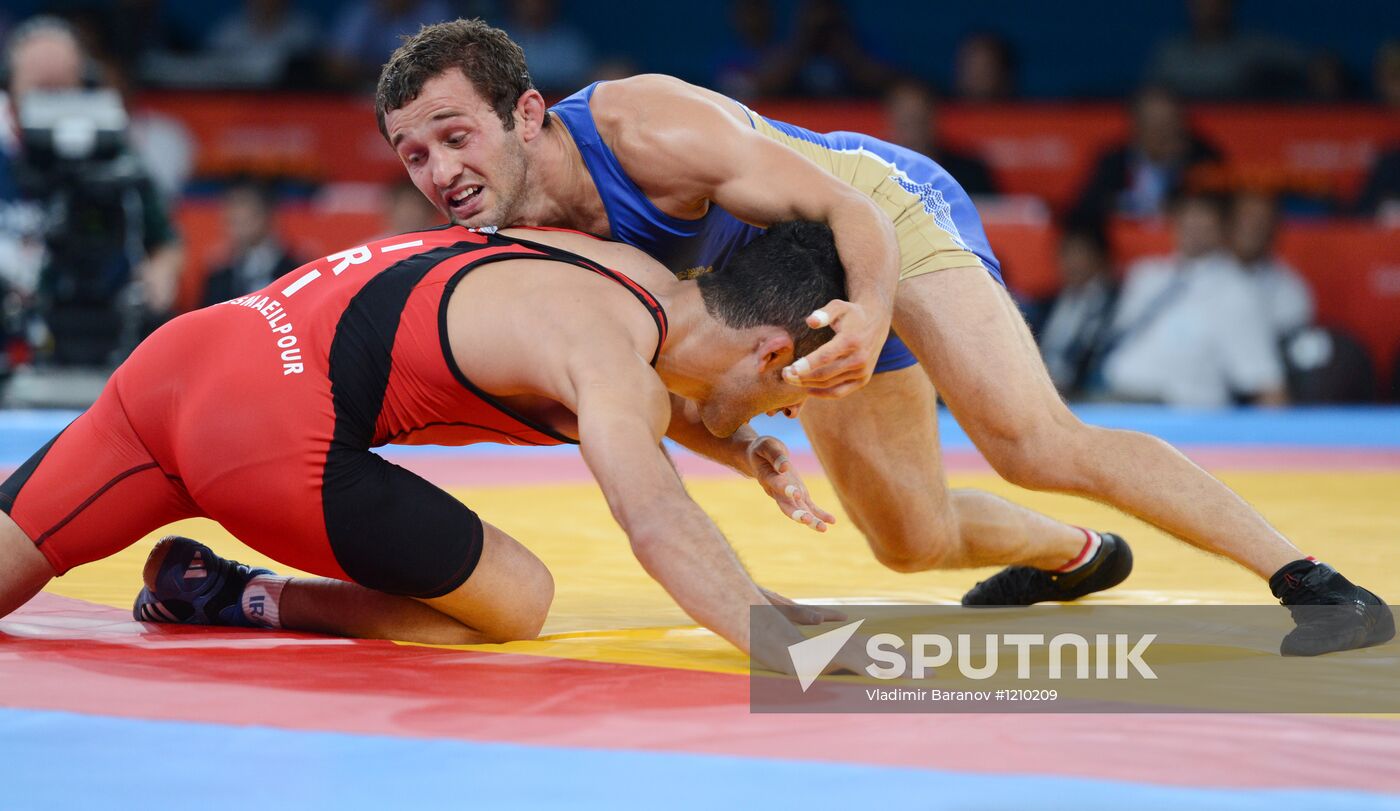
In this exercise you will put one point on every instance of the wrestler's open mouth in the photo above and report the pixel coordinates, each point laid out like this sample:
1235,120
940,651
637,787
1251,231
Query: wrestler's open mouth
464,196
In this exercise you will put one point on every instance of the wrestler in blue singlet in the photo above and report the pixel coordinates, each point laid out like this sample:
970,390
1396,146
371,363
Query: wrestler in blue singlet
935,222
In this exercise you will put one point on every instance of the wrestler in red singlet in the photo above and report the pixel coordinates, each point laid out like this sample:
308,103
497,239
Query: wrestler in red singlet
260,412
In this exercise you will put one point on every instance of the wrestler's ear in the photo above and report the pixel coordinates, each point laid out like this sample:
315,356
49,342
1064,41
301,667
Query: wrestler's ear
774,350
529,113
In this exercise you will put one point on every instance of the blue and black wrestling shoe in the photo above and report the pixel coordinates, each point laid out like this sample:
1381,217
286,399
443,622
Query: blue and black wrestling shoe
194,586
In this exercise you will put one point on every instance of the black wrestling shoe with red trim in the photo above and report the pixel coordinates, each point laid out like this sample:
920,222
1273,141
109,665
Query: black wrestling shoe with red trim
1024,585
1331,613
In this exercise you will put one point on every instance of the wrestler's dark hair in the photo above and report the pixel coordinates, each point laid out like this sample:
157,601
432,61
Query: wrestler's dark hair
487,56
779,279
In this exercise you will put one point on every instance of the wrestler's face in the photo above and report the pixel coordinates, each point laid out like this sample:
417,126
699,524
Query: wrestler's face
754,385
459,153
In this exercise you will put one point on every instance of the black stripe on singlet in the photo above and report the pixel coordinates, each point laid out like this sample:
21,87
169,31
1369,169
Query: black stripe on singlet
361,351
363,347
9,491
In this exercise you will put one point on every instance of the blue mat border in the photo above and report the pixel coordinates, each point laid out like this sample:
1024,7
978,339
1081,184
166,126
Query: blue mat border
1370,428
64,760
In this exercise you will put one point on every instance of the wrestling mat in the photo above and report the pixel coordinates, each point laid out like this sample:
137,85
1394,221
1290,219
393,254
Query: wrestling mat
624,703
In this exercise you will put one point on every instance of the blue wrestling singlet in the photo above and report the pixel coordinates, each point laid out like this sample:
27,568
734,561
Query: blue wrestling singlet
935,222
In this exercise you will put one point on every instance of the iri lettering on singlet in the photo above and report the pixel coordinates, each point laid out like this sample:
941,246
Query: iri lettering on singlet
275,313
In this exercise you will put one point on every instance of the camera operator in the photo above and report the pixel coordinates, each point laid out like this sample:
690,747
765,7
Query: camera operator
73,194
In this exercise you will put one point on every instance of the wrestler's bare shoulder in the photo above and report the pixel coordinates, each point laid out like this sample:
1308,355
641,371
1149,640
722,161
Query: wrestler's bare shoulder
613,255
649,97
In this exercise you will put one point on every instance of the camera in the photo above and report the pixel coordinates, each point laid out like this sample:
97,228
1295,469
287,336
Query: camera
75,162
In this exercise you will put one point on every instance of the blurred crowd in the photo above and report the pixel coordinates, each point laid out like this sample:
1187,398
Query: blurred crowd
89,255
788,48
1221,320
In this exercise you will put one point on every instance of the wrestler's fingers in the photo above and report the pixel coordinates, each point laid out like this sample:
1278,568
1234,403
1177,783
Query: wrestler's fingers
807,519
800,499
829,314
832,363
773,452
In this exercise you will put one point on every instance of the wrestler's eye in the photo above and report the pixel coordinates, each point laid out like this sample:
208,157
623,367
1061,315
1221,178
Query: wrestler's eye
457,140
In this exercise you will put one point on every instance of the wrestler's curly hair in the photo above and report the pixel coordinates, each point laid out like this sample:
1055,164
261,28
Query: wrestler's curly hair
487,56
779,279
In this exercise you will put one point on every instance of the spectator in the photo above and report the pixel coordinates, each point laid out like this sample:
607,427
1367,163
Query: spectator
406,209
256,254
1188,329
913,123
1214,61
984,69
1380,196
257,44
109,255
1329,80
825,57
1071,326
1137,178
368,31
559,56
745,67
1386,75
22,216
137,34
161,141
1279,288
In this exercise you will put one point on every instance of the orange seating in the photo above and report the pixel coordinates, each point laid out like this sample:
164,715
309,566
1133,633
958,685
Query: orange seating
1045,149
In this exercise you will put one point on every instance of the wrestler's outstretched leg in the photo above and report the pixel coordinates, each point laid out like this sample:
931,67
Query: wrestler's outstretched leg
972,341
879,446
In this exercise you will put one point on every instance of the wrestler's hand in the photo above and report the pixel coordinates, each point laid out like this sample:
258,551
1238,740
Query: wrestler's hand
768,462
846,362
801,614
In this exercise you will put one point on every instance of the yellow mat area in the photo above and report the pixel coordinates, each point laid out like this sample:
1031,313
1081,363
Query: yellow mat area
607,609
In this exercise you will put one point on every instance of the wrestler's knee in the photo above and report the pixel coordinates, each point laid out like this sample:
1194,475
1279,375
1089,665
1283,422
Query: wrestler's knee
532,607
1052,452
23,568
931,542
519,620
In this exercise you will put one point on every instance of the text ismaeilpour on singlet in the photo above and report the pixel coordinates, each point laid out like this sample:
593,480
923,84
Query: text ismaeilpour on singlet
275,313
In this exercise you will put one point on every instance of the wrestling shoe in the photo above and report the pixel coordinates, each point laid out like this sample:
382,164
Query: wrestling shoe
1024,585
194,586
1331,612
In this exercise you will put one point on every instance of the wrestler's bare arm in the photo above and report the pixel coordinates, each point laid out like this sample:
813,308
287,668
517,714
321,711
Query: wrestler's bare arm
686,148
764,459
623,411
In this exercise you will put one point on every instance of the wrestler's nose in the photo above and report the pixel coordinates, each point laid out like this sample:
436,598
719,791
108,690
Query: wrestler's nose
444,169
